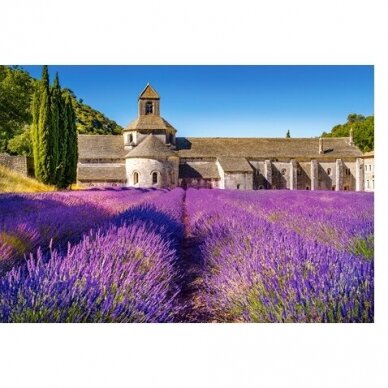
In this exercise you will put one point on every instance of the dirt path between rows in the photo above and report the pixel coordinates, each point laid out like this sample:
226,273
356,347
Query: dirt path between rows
194,310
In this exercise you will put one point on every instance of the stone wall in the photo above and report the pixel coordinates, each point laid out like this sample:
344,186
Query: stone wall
369,174
167,171
239,180
15,163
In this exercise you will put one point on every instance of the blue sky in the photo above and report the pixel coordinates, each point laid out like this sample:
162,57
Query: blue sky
238,101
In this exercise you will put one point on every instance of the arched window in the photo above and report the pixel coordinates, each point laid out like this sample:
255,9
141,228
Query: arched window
261,187
307,187
238,186
329,171
284,171
347,171
149,108
135,178
154,178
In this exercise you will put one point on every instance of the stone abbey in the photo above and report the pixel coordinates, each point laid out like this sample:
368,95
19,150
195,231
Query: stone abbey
149,154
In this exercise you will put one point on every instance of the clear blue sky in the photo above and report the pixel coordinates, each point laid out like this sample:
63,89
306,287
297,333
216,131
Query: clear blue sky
239,101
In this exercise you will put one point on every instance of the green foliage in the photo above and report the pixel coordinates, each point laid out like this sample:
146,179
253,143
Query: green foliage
364,247
16,90
70,150
21,144
90,121
54,134
46,132
363,128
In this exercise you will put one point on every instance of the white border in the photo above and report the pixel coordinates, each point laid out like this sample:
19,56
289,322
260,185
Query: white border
203,32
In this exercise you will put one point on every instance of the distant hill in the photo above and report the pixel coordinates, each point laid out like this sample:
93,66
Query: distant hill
16,90
12,182
363,131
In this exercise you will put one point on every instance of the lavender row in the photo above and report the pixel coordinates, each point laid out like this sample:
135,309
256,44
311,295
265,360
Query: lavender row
256,270
125,271
343,220
29,221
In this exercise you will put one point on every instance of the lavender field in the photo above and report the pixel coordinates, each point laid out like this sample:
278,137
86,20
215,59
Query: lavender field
141,255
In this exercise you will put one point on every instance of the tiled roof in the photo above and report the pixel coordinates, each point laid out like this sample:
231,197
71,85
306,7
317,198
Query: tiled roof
151,147
204,170
149,124
192,147
101,172
229,164
101,147
149,92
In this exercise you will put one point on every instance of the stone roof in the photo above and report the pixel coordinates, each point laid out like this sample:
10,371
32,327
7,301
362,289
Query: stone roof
149,124
101,147
149,93
193,147
151,147
229,164
197,170
369,154
101,172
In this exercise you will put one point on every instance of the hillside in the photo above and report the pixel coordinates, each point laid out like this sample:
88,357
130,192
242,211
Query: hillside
12,182
16,90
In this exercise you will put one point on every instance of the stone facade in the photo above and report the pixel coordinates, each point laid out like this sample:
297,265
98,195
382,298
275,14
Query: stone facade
369,171
150,155
20,164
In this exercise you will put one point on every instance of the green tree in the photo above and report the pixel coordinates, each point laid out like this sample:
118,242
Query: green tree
16,90
45,136
288,134
71,159
57,107
363,131
21,144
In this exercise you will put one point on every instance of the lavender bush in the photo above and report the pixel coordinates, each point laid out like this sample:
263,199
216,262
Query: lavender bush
125,271
197,255
256,270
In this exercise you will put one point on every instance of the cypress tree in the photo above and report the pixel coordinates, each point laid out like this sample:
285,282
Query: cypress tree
34,130
70,168
59,142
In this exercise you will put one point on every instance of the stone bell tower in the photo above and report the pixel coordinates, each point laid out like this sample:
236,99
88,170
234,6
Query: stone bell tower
149,102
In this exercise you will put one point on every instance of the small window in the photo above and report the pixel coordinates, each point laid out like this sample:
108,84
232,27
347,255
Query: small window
135,178
149,108
154,178
370,167
366,167
347,171
329,171
333,188
367,184
261,187
307,187
238,186
346,188
373,184
283,171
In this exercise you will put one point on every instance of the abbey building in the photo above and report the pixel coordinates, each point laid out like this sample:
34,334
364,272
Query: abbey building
149,154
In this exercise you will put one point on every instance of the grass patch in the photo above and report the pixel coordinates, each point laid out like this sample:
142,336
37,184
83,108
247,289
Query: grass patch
13,182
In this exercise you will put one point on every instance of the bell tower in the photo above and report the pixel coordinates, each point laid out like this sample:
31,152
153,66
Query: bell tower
149,102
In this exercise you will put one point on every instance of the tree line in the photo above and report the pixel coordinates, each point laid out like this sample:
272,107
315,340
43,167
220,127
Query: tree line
53,133
363,131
